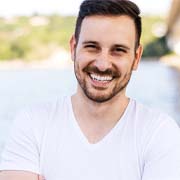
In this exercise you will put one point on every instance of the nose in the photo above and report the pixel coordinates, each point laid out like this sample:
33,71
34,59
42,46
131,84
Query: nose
103,61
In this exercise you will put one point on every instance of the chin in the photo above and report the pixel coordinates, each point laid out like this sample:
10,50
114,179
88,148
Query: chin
99,98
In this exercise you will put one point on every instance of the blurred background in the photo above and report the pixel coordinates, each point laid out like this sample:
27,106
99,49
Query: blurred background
35,63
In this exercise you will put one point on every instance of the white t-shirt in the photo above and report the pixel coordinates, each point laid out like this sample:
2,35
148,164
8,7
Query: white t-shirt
143,145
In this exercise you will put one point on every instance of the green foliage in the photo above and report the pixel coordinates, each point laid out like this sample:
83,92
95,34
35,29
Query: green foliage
153,46
20,38
147,24
156,48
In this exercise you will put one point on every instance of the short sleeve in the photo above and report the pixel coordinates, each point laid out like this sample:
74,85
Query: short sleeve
162,158
21,150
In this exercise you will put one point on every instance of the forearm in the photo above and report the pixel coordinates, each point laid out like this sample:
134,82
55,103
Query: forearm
19,175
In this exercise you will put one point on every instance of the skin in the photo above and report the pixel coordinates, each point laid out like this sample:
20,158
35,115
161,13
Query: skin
106,47
112,53
19,175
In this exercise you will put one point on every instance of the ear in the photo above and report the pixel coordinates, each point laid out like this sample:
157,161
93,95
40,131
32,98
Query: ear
72,44
138,55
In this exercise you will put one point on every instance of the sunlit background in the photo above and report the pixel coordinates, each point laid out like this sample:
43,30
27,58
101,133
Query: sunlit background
35,63
70,7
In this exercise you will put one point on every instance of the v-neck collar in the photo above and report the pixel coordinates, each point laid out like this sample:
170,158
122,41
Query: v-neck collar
107,137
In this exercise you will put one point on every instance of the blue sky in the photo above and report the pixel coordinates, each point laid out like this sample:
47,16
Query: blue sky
69,7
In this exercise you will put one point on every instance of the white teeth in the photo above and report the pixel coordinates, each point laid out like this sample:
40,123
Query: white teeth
100,78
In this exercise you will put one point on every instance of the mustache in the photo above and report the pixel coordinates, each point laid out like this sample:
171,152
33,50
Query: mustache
95,70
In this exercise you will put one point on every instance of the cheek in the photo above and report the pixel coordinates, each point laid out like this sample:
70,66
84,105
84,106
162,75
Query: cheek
122,65
82,60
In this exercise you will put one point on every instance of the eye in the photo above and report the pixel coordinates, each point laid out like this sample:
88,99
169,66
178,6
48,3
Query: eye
120,50
90,46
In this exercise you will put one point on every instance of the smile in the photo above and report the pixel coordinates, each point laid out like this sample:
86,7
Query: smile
97,77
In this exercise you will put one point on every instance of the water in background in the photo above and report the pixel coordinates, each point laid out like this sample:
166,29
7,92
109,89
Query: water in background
153,84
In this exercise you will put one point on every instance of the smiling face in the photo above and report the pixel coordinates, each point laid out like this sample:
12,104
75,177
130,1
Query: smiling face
105,56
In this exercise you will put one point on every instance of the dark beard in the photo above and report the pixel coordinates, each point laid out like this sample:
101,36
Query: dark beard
114,92
103,98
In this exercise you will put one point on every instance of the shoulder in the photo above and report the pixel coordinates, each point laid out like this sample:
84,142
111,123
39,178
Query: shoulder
37,118
28,134
155,128
151,117
42,112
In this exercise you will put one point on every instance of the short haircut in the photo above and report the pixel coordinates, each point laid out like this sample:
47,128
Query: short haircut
109,8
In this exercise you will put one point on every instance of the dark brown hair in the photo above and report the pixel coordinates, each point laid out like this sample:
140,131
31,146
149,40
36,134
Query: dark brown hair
109,7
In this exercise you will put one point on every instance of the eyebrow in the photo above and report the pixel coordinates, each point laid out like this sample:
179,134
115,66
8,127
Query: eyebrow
90,42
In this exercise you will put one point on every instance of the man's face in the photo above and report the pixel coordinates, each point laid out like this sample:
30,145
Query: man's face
105,56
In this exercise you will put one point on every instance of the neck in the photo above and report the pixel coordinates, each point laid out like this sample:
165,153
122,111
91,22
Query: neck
107,112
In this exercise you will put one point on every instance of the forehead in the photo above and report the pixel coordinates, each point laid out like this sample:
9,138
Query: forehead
108,29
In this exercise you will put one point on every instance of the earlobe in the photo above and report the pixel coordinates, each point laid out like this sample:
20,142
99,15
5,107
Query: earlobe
138,55
72,46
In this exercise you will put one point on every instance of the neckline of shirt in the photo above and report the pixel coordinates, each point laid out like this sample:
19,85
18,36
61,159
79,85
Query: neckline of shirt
108,136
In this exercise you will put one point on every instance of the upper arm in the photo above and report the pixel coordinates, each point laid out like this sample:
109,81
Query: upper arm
21,152
18,175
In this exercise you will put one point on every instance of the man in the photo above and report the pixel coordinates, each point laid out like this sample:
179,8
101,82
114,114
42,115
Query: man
98,133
